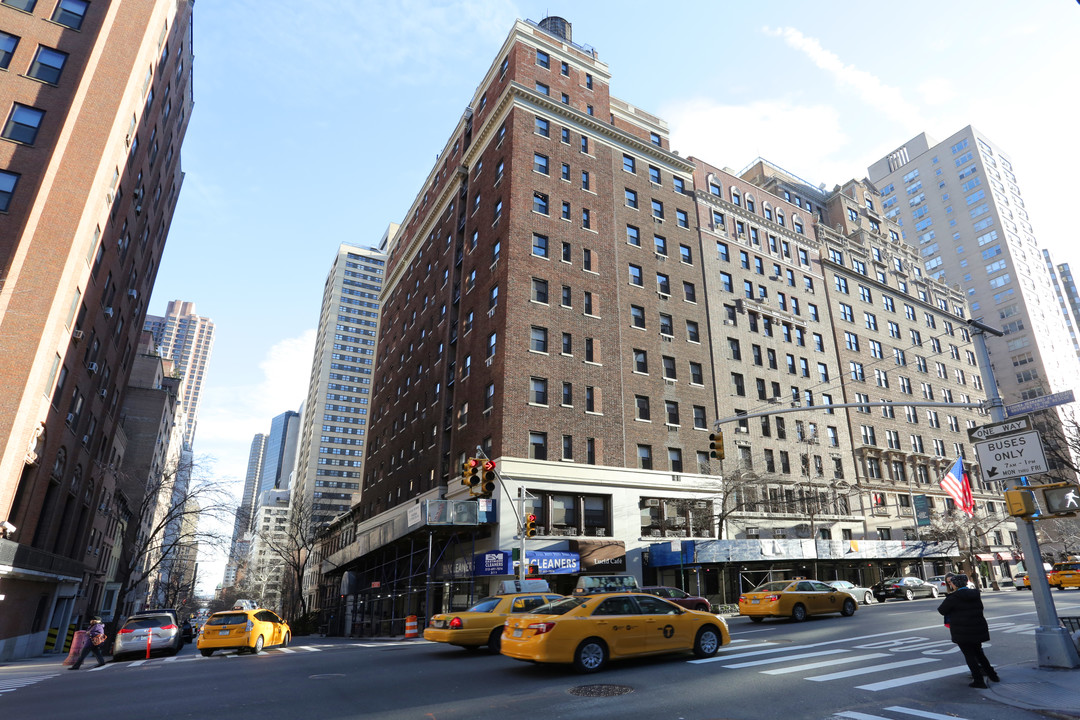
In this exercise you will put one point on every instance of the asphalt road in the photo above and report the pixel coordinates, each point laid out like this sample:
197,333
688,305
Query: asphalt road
891,660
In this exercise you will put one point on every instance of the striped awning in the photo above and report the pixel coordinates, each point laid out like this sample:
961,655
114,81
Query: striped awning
985,557
1004,556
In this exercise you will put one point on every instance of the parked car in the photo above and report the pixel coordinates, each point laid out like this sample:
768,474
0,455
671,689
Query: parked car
907,588
675,595
156,630
589,630
187,632
1065,575
861,594
1021,581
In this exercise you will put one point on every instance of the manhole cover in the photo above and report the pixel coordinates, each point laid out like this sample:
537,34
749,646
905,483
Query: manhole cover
600,690
327,675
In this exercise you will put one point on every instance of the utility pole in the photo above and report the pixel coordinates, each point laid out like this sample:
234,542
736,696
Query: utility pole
1053,644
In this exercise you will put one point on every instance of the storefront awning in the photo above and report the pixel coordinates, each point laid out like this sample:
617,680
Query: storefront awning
1004,556
985,557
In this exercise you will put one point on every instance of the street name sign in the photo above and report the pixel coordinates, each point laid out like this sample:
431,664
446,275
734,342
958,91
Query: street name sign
985,432
1040,403
1011,456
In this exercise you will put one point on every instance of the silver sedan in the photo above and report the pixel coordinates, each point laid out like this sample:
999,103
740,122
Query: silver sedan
862,594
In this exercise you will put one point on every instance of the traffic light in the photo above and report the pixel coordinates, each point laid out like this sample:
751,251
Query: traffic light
486,482
530,525
1064,499
469,477
1020,502
716,444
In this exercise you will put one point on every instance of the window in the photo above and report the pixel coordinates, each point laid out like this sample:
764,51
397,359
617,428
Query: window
644,453
23,124
538,445
697,377
538,339
689,293
69,13
543,127
47,64
631,200
637,316
543,59
660,244
692,331
584,180
636,276
641,402
633,236
584,144
685,255
641,361
663,284
540,290
540,203
538,391
8,181
629,164
654,174
682,218
658,209
543,89
540,246
8,43
586,218
568,394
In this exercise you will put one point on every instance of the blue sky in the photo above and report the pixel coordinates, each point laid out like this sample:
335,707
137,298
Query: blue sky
315,123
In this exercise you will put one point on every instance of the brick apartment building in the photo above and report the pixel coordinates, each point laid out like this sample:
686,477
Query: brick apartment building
581,303
95,98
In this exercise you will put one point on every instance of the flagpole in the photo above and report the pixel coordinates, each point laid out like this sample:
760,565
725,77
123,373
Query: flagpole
1054,647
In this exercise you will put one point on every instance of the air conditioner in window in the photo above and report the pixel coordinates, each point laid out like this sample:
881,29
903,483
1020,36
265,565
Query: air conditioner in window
138,208
729,322
662,296
491,312
77,335
774,277
103,393
487,361
70,418
669,381
133,293
108,312
85,439
92,368
652,502
740,429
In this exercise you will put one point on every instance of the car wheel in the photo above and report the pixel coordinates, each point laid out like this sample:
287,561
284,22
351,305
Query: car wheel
868,598
207,652
798,613
933,592
757,619
707,642
591,655
258,646
495,640
909,595
703,608
849,608
285,640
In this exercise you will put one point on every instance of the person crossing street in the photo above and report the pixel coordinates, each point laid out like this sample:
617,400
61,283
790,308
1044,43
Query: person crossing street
95,639
963,611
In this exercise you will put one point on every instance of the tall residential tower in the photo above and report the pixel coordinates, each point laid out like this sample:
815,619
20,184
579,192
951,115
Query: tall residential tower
187,339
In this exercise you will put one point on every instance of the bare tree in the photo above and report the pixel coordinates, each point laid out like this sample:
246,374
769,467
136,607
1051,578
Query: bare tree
292,544
179,509
968,532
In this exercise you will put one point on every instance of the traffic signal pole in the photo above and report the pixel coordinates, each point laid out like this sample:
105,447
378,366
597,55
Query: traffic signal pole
1053,645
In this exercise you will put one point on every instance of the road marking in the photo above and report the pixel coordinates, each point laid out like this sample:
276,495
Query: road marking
286,650
920,713
16,683
748,632
800,656
824,663
898,682
725,658
109,665
860,716
309,648
137,663
871,669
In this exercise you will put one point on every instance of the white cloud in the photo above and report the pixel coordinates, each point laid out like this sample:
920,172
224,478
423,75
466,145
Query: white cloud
937,91
871,89
794,136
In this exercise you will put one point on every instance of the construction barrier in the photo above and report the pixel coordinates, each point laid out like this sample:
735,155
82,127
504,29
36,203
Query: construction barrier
410,627
51,639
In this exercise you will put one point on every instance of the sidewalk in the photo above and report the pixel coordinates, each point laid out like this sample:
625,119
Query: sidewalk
1055,693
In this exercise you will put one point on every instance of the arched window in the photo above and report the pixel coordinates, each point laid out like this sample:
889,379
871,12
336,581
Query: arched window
714,186
779,217
750,202
736,198
76,478
767,209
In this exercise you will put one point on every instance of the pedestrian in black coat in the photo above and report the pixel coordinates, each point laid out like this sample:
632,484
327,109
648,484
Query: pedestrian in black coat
963,611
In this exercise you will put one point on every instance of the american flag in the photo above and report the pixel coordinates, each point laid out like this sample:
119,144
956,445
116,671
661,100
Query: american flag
956,484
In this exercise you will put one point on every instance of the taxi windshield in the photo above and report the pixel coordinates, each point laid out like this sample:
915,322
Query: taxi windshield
775,586
1066,566
486,605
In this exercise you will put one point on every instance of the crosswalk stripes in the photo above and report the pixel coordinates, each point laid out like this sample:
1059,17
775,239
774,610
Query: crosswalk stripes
855,715
14,684
871,669
825,663
912,679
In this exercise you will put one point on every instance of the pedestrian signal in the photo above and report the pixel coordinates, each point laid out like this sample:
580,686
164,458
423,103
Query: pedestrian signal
1063,500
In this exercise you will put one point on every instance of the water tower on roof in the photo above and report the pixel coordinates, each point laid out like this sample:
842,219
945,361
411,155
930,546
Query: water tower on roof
557,26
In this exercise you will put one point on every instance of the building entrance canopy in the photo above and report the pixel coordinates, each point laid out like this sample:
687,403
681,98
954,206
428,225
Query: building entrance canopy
721,551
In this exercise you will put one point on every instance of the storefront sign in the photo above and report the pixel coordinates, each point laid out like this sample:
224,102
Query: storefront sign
600,555
493,562
553,563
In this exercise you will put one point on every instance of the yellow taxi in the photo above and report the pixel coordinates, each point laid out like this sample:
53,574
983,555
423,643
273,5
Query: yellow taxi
589,630
1065,575
242,629
482,624
795,599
